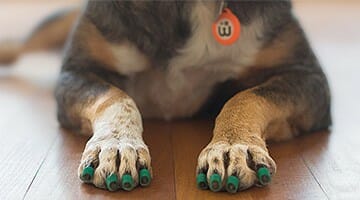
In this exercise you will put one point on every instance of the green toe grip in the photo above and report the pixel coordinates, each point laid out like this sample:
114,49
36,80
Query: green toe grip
87,174
144,177
127,182
112,182
263,175
201,181
232,184
215,183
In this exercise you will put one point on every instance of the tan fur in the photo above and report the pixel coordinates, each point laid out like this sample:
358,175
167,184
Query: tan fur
279,130
9,51
96,45
238,165
217,153
90,110
54,35
110,97
247,114
122,57
240,129
278,50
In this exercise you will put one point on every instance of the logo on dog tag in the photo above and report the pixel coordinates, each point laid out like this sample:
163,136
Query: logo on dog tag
227,28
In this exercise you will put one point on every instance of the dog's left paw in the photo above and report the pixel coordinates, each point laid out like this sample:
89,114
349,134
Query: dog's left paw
234,167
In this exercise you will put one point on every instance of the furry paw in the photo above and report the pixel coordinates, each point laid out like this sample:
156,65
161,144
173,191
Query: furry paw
116,163
234,167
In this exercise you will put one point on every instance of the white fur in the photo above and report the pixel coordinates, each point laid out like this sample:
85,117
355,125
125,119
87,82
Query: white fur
129,59
203,51
118,129
200,64
116,121
238,156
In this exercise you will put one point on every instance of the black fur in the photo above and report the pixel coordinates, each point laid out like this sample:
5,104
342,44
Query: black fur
158,29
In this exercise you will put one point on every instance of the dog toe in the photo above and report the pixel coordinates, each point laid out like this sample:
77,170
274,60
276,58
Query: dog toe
113,165
233,167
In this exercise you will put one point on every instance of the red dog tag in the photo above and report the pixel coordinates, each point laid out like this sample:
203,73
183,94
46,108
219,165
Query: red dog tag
227,28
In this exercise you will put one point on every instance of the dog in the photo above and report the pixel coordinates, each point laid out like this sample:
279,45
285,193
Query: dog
128,60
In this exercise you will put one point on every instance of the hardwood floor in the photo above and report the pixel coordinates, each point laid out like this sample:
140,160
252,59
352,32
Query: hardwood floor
38,160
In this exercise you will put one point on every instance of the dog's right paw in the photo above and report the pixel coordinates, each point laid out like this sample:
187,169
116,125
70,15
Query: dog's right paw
115,164
233,167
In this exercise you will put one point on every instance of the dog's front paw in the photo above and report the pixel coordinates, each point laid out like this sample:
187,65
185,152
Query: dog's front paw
234,167
116,163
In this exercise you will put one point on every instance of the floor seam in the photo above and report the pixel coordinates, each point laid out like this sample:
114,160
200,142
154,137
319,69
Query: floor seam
40,166
313,175
173,157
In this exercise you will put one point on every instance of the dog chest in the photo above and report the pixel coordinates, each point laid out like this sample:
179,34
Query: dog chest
189,78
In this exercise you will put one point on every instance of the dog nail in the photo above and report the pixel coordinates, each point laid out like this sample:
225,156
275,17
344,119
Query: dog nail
112,182
215,182
201,181
87,174
145,177
263,175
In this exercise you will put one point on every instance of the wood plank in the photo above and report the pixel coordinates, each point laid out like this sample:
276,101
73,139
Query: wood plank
57,178
27,131
334,161
28,128
334,158
293,180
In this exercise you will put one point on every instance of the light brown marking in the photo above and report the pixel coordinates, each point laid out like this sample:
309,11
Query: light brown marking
122,57
87,112
103,102
245,118
279,50
52,35
280,130
9,52
96,45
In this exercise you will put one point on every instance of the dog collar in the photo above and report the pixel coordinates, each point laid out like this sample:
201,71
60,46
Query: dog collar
227,28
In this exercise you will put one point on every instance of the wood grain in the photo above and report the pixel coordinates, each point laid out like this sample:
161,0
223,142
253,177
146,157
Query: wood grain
39,161
293,180
27,130
57,179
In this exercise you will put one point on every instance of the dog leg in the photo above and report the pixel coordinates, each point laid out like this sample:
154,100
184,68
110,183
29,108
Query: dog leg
116,152
288,103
